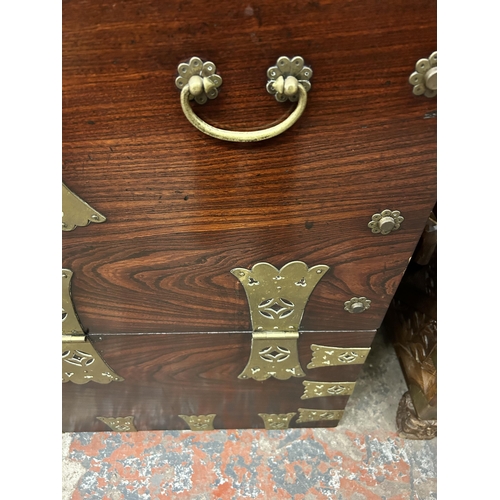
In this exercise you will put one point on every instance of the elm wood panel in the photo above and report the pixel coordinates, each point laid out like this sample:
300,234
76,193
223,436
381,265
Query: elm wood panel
194,374
361,146
140,110
156,285
262,189
358,48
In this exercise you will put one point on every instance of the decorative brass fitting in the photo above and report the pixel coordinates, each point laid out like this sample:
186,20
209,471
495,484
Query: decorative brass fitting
277,299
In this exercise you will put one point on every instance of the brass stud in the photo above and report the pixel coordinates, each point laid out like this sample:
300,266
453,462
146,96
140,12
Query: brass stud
386,221
357,305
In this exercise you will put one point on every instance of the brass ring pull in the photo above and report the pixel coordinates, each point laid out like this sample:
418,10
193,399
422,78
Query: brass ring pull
288,80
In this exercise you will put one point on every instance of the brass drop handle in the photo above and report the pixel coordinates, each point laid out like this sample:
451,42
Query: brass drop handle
288,80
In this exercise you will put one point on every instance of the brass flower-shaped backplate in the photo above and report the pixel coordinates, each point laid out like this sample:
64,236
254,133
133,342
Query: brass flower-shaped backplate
357,305
424,78
284,77
386,221
201,78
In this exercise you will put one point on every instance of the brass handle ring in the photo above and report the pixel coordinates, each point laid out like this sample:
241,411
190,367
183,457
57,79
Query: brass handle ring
288,80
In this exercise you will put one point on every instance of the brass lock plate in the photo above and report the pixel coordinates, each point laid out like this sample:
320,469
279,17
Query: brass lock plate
276,298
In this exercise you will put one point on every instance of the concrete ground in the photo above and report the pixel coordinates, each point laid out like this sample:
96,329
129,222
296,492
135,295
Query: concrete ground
362,459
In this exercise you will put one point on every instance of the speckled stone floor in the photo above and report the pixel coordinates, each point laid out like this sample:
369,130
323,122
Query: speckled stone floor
361,459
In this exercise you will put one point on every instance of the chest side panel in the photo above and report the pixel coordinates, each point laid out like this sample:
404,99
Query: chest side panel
183,209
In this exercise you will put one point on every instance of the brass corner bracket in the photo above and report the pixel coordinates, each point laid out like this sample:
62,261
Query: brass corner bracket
81,363
276,298
76,212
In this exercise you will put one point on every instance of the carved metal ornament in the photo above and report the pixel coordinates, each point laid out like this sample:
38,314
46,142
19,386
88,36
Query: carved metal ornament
424,78
273,421
323,389
119,424
357,305
75,212
386,222
409,425
308,415
81,363
337,356
199,422
276,299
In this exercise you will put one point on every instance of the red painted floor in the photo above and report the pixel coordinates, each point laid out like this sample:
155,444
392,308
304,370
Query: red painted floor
362,459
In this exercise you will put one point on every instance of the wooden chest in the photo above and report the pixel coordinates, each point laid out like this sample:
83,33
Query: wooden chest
199,230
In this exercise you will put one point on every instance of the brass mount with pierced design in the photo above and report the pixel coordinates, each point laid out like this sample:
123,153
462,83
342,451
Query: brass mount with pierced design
81,363
277,298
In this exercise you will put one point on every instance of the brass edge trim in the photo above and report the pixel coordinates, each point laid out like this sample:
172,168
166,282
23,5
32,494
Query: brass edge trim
119,424
200,422
314,389
311,415
274,421
337,356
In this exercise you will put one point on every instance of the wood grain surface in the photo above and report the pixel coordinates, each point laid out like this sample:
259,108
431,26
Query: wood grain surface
167,375
183,209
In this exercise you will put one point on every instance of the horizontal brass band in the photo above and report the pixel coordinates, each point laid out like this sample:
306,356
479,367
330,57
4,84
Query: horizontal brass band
76,212
308,415
337,356
322,389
